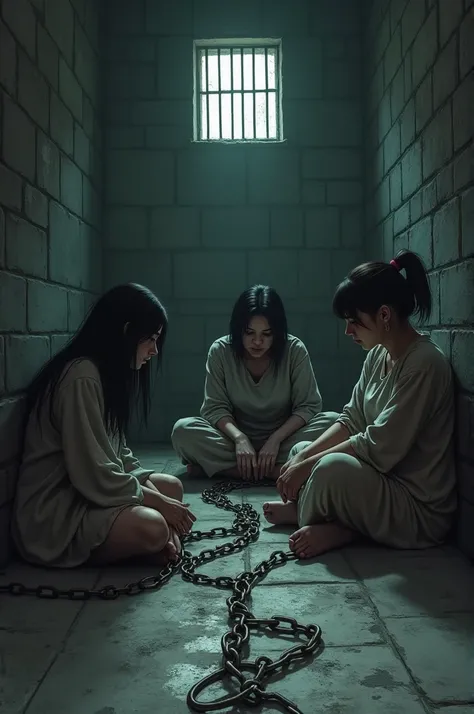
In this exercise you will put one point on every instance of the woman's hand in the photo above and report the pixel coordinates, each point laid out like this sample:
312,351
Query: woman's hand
293,461
292,479
176,514
267,457
246,458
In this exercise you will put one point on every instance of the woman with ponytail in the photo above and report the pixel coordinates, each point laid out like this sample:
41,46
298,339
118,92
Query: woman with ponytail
385,469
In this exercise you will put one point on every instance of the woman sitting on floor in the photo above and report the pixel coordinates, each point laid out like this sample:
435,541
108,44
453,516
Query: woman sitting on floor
81,494
260,396
385,469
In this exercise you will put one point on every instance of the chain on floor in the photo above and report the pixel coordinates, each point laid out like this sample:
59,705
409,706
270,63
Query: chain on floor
250,691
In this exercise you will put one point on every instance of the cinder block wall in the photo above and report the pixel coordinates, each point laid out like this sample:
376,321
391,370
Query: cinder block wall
199,223
50,196
420,183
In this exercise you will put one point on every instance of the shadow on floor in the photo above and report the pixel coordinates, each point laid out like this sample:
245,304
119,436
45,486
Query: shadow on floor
397,628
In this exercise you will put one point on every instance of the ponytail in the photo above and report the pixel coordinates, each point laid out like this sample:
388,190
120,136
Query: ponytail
402,284
417,281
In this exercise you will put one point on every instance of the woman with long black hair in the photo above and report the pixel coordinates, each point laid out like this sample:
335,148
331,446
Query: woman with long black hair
81,494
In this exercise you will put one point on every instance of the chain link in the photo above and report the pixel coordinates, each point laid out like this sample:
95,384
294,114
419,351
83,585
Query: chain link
249,691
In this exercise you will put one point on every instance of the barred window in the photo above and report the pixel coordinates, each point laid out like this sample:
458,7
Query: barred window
238,90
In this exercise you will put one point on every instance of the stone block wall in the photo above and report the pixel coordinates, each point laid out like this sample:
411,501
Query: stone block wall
198,223
50,196
361,173
420,177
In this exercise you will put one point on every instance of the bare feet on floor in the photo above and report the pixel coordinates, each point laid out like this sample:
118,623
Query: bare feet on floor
310,541
164,556
174,538
170,552
279,513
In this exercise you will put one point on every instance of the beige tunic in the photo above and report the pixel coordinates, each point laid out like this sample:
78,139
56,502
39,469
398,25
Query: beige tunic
258,408
73,482
401,488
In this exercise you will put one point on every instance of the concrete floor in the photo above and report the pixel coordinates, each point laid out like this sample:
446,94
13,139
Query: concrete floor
398,629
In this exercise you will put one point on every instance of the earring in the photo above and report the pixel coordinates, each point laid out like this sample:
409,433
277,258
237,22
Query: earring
387,326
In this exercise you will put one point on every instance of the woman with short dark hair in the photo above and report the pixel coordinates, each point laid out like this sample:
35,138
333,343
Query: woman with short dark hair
260,396
385,469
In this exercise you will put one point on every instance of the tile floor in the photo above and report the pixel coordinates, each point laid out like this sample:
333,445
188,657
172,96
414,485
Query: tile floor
398,631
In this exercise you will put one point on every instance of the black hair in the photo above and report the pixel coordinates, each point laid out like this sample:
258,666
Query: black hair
260,300
117,323
371,285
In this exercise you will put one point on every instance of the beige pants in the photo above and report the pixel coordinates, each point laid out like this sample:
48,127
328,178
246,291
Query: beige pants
344,489
197,442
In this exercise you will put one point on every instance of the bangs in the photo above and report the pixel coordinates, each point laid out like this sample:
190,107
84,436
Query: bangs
345,301
152,319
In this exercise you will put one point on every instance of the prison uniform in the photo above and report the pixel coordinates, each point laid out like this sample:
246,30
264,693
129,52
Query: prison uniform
258,408
400,488
74,481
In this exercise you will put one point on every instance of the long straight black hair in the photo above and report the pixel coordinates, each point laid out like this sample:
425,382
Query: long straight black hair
371,285
119,321
259,300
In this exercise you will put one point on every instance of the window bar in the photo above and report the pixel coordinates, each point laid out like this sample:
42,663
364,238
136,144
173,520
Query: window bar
198,80
266,93
254,95
232,92
207,93
220,92
242,88
277,90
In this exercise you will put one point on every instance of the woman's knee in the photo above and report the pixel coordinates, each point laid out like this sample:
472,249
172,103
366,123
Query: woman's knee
336,479
330,480
137,530
150,530
334,471
180,428
297,448
176,487
168,485
184,434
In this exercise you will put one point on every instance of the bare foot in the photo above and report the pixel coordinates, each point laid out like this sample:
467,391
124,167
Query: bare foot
174,538
167,554
279,513
310,541
171,549
194,470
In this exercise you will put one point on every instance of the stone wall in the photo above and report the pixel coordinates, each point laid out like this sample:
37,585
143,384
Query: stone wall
420,182
200,222
50,196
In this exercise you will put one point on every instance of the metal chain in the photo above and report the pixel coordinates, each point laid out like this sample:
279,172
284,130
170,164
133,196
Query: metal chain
246,528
